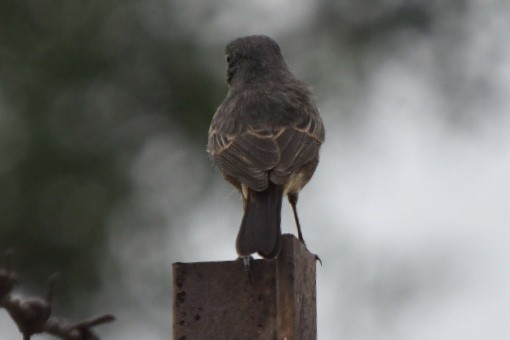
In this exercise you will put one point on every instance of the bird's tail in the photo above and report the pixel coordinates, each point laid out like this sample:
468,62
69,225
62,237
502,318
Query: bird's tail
260,228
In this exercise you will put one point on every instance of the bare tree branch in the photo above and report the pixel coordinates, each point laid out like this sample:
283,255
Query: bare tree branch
33,315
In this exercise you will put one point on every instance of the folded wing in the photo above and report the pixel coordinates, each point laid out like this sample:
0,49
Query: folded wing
252,157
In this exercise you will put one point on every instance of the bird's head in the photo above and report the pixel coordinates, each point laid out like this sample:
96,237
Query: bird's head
252,58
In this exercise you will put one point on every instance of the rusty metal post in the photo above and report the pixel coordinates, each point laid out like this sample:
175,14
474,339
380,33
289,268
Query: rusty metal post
217,300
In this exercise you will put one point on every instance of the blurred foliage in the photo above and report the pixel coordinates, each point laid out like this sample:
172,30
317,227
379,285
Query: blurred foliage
82,85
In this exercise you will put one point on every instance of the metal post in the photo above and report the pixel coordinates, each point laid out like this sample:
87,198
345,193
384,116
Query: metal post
218,300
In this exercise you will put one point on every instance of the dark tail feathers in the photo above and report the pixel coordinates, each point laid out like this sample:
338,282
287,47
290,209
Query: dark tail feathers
260,229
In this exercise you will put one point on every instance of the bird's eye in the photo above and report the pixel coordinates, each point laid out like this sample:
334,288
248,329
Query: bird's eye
229,59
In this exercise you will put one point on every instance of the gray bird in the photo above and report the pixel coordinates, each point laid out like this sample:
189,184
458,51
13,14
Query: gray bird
265,139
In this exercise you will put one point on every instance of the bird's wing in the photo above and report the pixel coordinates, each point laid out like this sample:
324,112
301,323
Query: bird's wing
299,148
243,154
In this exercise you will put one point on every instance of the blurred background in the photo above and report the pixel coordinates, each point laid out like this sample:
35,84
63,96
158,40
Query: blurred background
104,111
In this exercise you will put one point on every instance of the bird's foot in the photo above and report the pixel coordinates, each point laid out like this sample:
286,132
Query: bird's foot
317,258
246,264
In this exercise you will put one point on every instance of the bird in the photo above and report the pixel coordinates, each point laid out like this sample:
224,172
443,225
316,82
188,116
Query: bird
265,139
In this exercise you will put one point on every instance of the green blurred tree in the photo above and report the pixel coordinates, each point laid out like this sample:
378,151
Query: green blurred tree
75,78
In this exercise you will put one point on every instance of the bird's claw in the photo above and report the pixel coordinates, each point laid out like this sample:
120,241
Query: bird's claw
246,264
317,258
